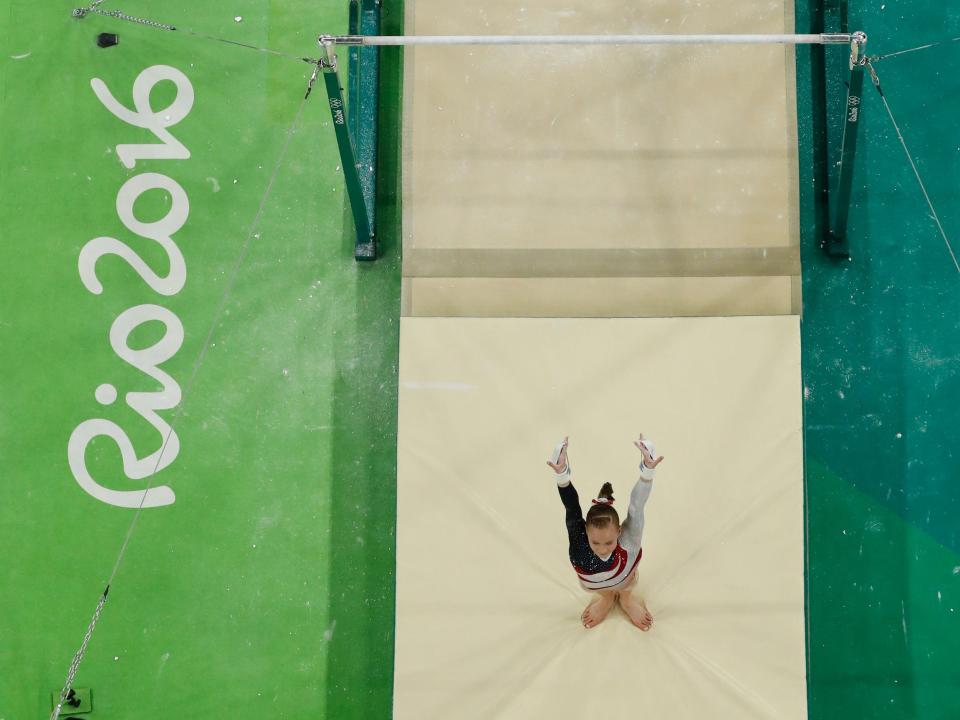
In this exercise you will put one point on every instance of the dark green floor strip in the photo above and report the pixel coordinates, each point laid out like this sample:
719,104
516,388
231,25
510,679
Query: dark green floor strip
363,521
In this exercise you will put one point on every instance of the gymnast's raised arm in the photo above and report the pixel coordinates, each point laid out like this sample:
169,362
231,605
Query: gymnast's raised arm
632,529
568,494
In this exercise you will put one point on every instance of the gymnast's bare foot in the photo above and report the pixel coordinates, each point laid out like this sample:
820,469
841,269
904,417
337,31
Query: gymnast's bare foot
636,610
597,610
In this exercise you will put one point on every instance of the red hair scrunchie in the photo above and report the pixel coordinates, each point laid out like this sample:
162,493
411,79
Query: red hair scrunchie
602,501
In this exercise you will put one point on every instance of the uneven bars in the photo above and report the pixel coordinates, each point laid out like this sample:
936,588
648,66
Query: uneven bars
819,39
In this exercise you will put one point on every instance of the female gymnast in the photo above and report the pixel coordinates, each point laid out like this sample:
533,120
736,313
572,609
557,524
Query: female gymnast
603,552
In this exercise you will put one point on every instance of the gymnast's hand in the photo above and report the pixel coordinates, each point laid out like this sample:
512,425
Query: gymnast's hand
647,457
561,463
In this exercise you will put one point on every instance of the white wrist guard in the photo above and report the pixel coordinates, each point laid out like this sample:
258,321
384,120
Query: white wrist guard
645,472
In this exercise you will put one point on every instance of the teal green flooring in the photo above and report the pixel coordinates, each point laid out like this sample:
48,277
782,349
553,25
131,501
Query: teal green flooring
881,357
266,589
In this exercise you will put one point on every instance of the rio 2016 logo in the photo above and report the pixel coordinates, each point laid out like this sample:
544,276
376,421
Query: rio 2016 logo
148,359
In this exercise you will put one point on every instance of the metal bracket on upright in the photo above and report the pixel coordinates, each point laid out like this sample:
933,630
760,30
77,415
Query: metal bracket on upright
356,125
835,244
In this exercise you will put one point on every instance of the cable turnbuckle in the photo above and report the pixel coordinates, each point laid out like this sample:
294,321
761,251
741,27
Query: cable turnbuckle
318,66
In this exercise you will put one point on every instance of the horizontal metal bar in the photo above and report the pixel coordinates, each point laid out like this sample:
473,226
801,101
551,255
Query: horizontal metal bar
818,39
602,262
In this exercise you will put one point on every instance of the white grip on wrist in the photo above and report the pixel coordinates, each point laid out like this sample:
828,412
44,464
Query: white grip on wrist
646,472
563,478
557,452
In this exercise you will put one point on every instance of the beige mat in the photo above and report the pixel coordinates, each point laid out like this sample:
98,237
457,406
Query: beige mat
649,155
487,604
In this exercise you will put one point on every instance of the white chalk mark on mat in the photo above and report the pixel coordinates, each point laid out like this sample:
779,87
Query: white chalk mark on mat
163,664
328,633
903,621
420,385
20,57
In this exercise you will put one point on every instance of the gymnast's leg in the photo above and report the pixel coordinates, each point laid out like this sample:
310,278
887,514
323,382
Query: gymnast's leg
599,607
634,607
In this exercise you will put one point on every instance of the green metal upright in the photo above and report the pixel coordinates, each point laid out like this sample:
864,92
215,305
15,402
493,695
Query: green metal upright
363,87
348,157
836,243
356,123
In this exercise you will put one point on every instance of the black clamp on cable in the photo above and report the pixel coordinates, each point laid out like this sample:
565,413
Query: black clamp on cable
106,40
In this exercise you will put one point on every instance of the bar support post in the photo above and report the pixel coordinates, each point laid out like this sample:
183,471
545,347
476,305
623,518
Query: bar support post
836,244
363,82
348,158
